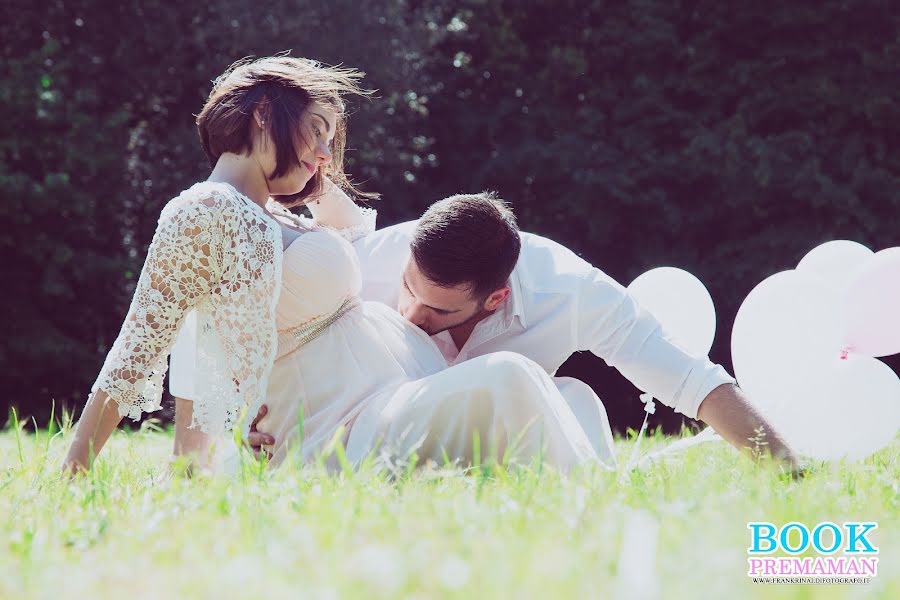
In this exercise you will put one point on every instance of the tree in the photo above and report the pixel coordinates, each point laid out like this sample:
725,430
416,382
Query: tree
724,138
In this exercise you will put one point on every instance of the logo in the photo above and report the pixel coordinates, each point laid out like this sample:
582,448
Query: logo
828,553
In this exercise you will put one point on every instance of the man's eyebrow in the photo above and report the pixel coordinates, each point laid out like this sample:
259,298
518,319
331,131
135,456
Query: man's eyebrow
324,120
434,308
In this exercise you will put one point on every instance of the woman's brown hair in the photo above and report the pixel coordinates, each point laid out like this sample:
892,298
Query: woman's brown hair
282,87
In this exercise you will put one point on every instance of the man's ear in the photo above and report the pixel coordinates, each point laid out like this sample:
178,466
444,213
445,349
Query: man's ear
496,298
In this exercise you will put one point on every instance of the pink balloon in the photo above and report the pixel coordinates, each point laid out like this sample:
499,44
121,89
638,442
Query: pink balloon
871,308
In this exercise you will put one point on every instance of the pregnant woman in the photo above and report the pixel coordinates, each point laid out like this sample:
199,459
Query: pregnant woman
276,316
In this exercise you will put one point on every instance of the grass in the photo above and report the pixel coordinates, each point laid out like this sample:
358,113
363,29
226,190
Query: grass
130,530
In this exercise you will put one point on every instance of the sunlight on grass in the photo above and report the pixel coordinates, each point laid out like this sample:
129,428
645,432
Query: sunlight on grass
131,529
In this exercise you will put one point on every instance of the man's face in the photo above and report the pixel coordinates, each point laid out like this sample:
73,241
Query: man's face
431,307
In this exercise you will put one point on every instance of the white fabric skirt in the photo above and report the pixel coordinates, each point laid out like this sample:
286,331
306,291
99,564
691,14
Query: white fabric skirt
385,382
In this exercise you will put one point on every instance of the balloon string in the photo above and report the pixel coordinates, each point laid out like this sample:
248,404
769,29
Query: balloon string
637,443
649,409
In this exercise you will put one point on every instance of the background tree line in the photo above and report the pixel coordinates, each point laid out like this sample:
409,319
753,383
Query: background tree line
725,138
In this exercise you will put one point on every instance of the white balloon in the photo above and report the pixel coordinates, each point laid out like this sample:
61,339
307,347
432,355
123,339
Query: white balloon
786,349
681,303
871,306
850,410
834,262
785,326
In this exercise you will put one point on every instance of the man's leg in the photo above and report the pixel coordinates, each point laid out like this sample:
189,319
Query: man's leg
591,415
507,400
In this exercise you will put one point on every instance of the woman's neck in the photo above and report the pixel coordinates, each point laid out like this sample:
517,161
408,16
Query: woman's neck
244,174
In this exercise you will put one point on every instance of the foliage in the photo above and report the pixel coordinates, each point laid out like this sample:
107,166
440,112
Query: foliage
66,268
726,138
100,135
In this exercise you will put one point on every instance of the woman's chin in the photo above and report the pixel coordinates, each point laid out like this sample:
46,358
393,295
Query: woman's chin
291,188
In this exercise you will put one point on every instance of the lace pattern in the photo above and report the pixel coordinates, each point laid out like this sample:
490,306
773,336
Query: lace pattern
351,234
220,254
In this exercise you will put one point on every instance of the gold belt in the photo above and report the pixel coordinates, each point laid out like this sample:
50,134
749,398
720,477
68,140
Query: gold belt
309,331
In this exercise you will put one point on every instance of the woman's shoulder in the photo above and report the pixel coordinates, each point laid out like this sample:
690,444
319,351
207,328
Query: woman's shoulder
211,194
209,201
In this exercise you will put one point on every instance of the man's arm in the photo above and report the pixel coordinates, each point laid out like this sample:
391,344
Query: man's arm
614,327
728,410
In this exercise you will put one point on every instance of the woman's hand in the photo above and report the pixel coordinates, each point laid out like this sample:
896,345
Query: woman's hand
257,439
99,419
74,466
334,208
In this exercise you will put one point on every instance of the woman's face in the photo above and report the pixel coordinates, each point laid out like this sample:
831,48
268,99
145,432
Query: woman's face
318,127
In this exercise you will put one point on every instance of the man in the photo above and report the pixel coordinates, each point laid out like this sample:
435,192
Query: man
467,276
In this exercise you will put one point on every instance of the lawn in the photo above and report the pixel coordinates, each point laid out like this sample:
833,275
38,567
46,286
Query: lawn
676,529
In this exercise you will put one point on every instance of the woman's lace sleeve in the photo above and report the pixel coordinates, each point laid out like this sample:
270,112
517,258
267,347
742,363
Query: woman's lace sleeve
183,262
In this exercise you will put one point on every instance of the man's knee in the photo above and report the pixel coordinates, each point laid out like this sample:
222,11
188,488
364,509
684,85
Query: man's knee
512,367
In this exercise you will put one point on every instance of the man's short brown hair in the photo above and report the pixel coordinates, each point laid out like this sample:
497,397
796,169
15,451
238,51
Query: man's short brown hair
469,239
282,87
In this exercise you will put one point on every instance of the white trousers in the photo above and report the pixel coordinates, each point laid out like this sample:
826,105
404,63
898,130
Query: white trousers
507,402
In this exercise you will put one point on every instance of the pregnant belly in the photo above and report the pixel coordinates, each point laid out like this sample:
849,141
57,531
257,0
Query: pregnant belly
369,350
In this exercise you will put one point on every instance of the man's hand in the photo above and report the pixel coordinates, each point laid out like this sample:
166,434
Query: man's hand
727,410
801,468
257,439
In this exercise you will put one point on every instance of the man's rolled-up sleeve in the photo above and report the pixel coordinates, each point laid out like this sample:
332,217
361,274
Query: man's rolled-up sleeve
612,325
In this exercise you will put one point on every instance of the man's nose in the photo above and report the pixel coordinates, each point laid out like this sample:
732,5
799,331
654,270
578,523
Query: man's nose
415,313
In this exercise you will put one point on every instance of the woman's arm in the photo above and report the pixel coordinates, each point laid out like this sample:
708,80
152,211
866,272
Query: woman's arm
180,269
334,208
192,444
98,420
101,417
189,442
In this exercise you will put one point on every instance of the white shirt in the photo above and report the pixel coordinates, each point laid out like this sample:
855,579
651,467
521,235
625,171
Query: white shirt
558,304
